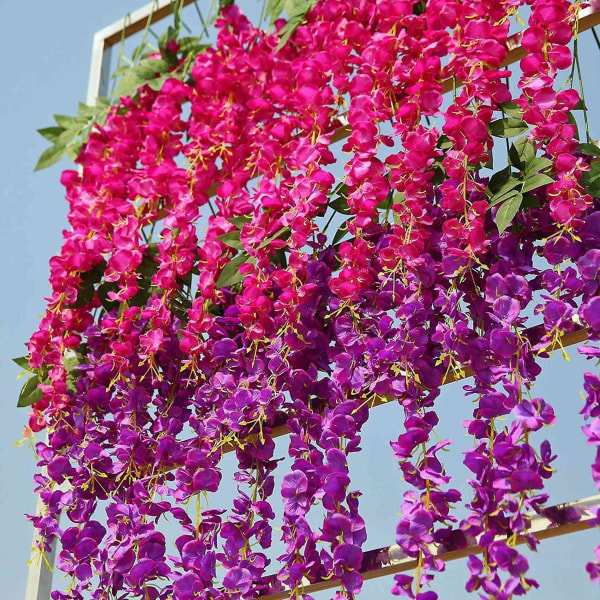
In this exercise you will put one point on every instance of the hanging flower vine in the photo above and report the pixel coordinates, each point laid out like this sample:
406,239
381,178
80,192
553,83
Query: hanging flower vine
164,346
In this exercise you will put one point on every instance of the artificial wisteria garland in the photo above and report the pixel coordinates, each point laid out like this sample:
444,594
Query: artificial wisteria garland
158,355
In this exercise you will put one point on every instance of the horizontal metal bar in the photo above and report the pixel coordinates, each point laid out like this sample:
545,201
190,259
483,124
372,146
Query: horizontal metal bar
552,522
137,20
588,18
279,427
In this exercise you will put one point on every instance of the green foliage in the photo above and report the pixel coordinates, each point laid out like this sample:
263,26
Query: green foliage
509,188
591,180
295,11
419,7
87,287
231,275
30,392
506,213
589,149
232,239
508,127
339,201
340,233
283,232
511,109
23,362
70,133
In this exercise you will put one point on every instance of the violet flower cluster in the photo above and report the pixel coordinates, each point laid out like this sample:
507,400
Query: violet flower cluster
245,313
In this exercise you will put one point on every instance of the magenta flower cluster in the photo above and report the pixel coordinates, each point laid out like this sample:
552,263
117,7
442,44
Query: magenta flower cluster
245,313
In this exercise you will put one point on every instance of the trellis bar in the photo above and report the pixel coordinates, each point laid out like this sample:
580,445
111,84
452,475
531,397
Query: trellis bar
279,427
126,27
554,521
39,577
122,29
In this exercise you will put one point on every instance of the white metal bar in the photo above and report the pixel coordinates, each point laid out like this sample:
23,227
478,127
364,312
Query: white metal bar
39,578
99,70
555,521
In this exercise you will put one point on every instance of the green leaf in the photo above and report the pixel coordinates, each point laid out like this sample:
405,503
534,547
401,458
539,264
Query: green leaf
537,164
279,258
148,266
169,57
591,178
444,143
387,203
508,127
86,290
511,109
150,67
573,121
530,201
64,121
296,9
70,362
23,362
129,84
86,112
594,190
102,102
504,197
536,181
439,173
68,136
50,133
580,105
136,76
103,289
191,45
506,213
74,150
490,163
276,235
340,233
499,179
419,8
340,205
30,392
339,202
232,239
156,84
240,221
521,152
508,189
231,275
273,10
50,156
589,149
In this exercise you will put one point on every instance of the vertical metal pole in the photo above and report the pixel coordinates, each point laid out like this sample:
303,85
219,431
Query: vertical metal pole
39,576
98,84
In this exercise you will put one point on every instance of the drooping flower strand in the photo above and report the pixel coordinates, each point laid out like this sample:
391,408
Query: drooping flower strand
158,355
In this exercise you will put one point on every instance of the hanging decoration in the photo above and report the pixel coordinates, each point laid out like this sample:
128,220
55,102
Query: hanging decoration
228,270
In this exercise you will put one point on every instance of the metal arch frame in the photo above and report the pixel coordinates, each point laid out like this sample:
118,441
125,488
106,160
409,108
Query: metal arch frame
553,522
110,36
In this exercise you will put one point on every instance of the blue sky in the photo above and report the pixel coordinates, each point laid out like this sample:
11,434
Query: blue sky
47,48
